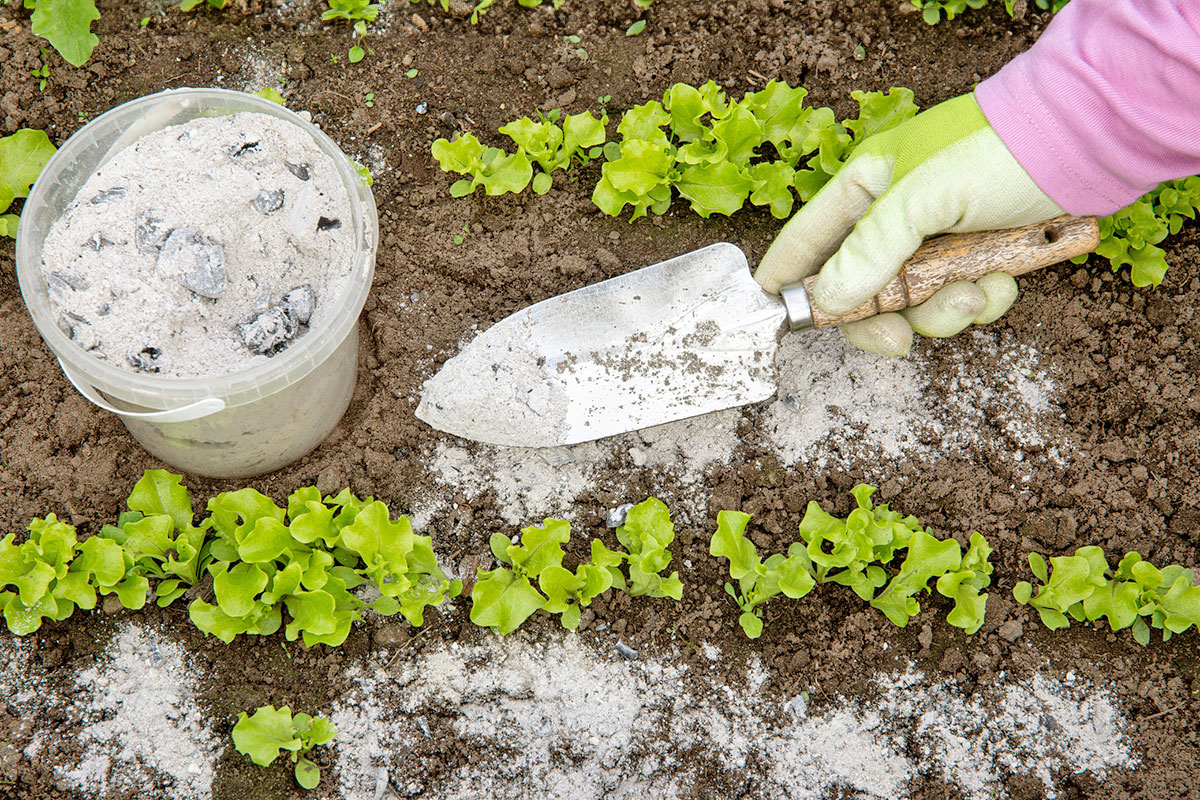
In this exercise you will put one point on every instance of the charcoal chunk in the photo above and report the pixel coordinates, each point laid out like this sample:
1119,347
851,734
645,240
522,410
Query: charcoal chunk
69,323
114,193
327,224
245,148
149,233
62,279
199,264
299,170
99,241
272,330
268,201
299,304
146,360
269,332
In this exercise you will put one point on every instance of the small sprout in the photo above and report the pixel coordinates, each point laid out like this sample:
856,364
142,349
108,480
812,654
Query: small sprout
370,100
860,53
144,22
356,54
636,28
412,73
573,39
267,732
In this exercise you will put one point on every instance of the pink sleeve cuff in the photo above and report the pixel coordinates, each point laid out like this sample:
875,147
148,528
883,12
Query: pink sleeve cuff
1106,104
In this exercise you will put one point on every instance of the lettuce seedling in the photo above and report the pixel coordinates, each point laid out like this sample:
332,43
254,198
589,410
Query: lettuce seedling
553,147
308,559
646,533
268,732
351,10
490,167
1130,236
854,552
758,580
23,155
53,573
158,536
533,576
1137,595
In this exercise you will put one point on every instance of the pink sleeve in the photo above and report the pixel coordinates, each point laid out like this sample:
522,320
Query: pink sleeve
1106,104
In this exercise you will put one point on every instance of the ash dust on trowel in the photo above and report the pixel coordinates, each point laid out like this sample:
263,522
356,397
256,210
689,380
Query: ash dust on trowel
201,249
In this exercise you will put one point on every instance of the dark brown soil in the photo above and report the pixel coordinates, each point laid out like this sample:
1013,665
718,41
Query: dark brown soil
1127,357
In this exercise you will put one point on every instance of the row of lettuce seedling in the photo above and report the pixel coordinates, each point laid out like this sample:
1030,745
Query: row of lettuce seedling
326,559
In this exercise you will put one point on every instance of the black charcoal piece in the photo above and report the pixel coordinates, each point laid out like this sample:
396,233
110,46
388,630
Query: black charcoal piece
62,279
149,233
198,263
269,332
245,148
268,201
327,224
67,323
299,304
146,360
299,170
108,194
99,241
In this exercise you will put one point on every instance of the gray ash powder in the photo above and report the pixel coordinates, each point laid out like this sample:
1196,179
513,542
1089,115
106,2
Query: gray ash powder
203,248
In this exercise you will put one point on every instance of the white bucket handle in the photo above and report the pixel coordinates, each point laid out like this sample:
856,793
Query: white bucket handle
196,410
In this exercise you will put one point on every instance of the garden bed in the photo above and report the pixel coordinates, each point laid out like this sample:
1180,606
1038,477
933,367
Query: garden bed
1071,421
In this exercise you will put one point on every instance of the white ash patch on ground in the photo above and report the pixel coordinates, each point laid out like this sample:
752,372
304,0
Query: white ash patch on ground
528,483
143,731
533,483
28,694
563,723
837,405
556,719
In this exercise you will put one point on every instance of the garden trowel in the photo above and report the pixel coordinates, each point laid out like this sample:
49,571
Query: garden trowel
681,338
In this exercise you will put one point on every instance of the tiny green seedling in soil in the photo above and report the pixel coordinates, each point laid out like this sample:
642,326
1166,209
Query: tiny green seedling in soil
412,73
636,28
268,731
42,73
369,100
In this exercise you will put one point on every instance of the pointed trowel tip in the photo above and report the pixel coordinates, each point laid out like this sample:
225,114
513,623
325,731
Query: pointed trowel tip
491,406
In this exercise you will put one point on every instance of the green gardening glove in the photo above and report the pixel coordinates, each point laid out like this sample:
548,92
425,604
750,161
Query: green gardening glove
943,171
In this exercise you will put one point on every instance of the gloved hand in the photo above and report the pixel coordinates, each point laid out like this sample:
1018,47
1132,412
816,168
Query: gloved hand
943,171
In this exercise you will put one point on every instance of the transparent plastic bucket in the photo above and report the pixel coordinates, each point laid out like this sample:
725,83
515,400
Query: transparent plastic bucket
226,426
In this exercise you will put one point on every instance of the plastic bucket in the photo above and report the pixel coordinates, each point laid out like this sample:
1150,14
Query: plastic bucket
226,426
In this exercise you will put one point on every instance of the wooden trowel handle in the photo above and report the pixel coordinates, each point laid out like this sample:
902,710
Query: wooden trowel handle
968,257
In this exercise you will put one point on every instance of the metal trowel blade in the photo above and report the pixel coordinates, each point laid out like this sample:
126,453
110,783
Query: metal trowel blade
674,340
